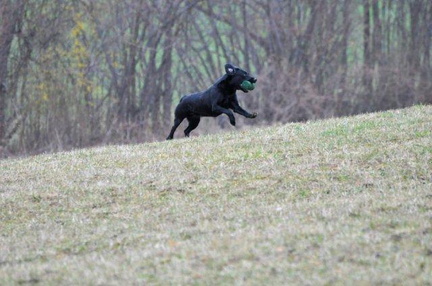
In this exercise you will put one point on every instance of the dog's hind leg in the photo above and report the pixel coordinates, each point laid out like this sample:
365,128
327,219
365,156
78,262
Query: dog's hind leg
177,122
193,123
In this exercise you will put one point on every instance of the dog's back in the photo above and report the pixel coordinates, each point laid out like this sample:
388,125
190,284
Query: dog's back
194,104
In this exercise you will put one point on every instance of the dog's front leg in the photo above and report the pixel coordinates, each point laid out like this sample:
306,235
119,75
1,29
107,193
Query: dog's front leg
216,109
237,109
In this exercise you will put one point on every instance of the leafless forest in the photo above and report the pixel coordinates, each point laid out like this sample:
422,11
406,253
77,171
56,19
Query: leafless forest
78,73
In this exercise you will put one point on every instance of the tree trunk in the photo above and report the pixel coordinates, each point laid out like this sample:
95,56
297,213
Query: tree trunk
10,15
367,65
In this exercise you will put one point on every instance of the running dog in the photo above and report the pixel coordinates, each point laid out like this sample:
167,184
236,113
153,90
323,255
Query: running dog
220,98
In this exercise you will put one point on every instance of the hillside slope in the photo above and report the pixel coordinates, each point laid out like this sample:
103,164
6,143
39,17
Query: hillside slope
344,200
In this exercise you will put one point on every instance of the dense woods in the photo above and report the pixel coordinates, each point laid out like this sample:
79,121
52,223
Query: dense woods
81,73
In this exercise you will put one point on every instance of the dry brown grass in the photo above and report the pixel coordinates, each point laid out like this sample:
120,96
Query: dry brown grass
341,201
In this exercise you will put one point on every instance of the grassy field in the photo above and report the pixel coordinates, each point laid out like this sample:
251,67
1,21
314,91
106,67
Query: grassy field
341,201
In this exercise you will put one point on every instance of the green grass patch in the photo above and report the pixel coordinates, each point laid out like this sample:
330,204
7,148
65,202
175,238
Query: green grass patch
339,201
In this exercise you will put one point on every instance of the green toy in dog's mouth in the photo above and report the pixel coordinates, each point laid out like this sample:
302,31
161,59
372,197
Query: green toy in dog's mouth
247,85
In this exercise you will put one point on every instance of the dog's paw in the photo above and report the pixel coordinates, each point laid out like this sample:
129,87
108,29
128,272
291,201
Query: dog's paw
254,115
232,121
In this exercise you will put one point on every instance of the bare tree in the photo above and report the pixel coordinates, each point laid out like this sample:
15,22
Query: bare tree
11,13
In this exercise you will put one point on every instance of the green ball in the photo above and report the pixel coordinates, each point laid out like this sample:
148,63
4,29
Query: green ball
247,85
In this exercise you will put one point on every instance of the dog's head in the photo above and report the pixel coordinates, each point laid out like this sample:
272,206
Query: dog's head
239,79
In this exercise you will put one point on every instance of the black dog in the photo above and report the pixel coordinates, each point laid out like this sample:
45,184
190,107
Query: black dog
218,99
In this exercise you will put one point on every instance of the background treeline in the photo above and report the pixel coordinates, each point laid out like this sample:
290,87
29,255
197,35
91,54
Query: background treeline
78,73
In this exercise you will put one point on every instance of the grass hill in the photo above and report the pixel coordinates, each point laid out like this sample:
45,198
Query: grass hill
341,201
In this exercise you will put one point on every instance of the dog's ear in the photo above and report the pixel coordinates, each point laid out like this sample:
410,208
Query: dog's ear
230,69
